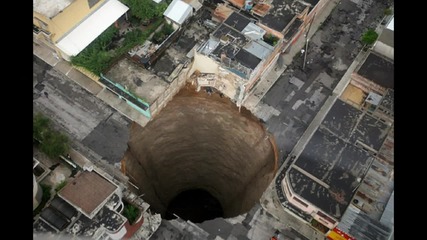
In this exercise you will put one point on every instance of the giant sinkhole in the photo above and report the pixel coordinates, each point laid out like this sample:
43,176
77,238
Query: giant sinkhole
201,158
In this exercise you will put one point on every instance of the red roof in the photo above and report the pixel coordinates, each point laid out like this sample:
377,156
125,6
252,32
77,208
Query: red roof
337,234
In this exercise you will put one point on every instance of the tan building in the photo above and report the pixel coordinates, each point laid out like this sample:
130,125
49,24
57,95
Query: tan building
69,26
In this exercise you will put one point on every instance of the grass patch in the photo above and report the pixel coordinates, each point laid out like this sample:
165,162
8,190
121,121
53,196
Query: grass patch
96,57
51,142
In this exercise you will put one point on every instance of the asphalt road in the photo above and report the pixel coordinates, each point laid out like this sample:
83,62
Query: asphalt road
79,114
298,95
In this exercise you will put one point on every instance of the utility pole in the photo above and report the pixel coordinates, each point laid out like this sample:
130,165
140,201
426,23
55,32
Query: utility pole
306,41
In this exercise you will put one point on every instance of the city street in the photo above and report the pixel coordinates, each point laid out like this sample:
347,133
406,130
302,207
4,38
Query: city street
102,133
299,93
79,114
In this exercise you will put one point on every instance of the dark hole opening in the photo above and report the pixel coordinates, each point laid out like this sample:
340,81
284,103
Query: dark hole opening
196,205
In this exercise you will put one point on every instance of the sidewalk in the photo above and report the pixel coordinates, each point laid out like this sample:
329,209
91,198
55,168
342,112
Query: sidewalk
264,84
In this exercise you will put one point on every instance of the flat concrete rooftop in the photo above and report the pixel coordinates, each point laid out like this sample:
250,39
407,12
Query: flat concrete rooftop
50,8
335,163
378,70
278,17
337,157
145,84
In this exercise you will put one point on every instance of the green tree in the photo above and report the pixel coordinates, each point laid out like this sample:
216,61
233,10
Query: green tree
40,126
161,35
388,11
130,212
145,9
95,57
369,37
55,144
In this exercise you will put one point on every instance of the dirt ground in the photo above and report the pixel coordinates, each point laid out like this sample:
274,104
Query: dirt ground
200,140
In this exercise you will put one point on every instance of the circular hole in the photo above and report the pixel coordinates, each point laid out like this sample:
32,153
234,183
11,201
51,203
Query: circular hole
196,205
201,146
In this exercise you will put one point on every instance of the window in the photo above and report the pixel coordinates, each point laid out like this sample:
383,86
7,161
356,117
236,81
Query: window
301,202
44,27
326,217
36,29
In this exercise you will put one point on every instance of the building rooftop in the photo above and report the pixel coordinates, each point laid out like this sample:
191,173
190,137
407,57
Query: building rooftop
359,225
390,25
278,17
237,21
341,119
233,36
178,11
63,207
293,28
238,45
354,126
110,220
74,41
370,131
222,12
375,189
40,226
338,156
142,82
88,192
253,31
387,149
54,218
387,218
50,8
276,14
387,101
335,163
378,70
387,37
281,13
259,48
247,59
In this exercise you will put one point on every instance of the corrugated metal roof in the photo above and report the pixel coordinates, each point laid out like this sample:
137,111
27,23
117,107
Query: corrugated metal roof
63,207
357,224
373,98
82,35
388,215
253,31
54,218
209,46
259,48
178,11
